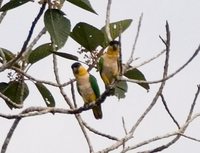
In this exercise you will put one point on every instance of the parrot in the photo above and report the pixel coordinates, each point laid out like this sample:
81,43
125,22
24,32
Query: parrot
87,87
109,64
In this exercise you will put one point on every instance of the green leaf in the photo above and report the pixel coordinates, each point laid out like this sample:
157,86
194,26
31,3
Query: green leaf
40,52
67,56
116,28
3,86
15,91
46,94
84,4
8,55
13,4
120,89
137,75
58,26
87,36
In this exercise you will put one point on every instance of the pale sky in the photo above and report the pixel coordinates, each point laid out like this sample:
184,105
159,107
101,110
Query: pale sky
61,133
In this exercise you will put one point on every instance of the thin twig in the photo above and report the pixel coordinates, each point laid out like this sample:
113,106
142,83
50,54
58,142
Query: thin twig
188,137
108,20
1,2
99,133
24,47
168,111
124,126
168,135
169,76
181,130
161,86
80,121
38,80
189,119
32,27
135,41
3,14
73,94
194,103
35,40
8,100
148,61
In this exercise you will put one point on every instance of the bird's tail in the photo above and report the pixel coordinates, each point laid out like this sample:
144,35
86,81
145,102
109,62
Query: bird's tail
97,112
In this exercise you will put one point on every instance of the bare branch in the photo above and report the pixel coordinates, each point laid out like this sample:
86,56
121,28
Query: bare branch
98,132
9,135
124,126
188,137
181,130
189,119
193,103
149,60
161,86
169,76
168,135
40,81
73,94
168,111
11,62
135,41
8,100
108,20
35,40
80,121
1,2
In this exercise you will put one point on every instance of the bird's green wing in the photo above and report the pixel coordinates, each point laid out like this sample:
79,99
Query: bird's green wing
94,85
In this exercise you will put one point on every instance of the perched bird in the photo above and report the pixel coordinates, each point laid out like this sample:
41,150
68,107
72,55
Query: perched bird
109,63
87,87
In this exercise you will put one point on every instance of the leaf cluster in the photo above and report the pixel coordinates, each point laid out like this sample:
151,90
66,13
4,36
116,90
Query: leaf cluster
59,28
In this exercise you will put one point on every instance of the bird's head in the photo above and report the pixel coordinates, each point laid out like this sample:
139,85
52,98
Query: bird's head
78,69
114,47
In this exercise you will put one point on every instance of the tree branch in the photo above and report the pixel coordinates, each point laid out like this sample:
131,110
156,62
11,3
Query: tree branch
107,28
9,135
168,111
135,41
11,62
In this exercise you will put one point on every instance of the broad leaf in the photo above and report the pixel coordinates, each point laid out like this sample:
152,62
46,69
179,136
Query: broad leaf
40,53
67,56
15,91
137,75
116,29
58,26
120,89
3,86
87,36
46,94
84,4
8,55
13,4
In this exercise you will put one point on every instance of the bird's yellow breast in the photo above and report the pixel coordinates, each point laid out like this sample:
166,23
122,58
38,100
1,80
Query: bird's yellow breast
85,88
110,68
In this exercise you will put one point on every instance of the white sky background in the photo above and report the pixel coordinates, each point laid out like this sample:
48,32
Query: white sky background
61,133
